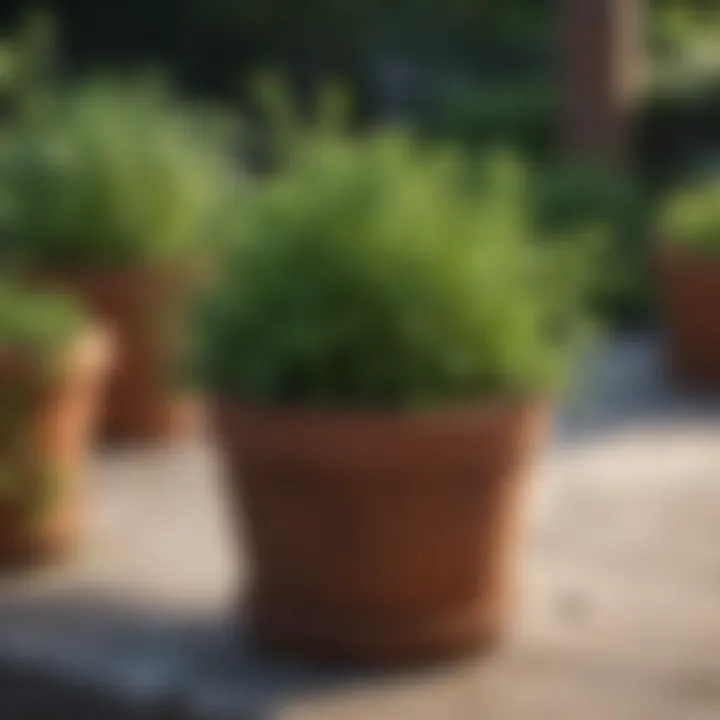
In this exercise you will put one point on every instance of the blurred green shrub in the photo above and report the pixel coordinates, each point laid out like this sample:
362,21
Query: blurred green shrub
678,127
690,216
576,196
675,24
111,173
520,111
36,322
379,272
26,68
524,112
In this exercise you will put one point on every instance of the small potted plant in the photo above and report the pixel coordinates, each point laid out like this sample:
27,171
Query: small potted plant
52,370
688,261
106,193
380,346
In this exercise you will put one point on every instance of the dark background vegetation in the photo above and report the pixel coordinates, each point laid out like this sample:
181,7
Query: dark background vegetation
480,72
474,69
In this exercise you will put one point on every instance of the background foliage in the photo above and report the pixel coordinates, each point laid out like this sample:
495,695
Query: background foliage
110,174
476,71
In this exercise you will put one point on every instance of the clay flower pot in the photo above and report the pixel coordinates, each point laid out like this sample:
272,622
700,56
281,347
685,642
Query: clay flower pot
47,423
144,309
380,537
690,285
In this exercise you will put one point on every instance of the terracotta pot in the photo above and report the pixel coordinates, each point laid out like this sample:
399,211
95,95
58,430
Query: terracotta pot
380,538
44,516
690,285
145,404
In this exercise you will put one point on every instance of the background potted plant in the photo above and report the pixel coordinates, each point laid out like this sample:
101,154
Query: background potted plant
689,269
380,346
106,191
52,369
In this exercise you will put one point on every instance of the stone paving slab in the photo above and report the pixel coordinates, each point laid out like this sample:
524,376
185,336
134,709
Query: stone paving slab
620,617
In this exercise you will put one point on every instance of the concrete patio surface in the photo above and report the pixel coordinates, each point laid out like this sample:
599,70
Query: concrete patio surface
620,617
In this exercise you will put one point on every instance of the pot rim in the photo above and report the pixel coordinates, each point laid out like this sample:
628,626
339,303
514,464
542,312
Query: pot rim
92,346
666,250
482,406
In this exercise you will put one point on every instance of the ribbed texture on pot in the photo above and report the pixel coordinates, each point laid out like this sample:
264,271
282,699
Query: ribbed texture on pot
380,538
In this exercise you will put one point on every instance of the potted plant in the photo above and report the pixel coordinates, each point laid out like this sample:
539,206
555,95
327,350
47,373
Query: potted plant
106,193
380,347
52,369
688,262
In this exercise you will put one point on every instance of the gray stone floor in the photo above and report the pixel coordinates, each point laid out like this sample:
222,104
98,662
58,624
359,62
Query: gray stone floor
621,614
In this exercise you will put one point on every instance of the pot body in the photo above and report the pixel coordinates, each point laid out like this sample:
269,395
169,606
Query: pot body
43,451
690,285
145,310
380,538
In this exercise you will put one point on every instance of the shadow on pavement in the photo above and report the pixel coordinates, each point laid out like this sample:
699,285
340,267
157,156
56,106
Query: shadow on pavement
86,656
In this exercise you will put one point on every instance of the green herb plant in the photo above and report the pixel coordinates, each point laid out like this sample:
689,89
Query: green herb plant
375,272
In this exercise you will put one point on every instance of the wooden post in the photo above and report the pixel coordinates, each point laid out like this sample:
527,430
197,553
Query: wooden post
603,63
